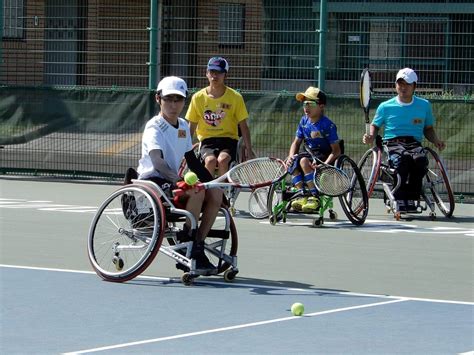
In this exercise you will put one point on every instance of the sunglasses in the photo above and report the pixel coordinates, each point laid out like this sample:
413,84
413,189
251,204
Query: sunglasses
310,103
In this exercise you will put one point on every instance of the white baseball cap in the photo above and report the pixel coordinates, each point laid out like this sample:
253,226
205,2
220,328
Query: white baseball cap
172,85
408,75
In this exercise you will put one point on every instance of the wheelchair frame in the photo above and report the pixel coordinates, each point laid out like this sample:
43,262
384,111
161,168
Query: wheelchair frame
125,237
355,207
376,170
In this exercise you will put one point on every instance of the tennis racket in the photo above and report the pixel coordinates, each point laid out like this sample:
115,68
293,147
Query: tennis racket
250,174
365,94
328,179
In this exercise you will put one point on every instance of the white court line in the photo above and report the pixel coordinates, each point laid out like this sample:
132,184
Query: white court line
239,326
246,285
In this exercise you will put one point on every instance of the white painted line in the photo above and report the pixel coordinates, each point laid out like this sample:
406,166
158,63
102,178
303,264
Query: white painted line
234,327
246,285
467,353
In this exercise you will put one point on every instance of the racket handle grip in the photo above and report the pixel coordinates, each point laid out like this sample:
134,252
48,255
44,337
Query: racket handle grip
367,128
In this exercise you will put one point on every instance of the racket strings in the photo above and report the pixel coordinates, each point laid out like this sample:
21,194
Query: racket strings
257,172
332,182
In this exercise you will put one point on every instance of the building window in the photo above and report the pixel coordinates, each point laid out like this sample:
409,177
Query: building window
13,18
231,24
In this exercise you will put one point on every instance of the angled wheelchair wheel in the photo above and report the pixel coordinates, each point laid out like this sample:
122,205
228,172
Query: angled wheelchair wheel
221,243
369,166
436,183
258,203
355,202
126,233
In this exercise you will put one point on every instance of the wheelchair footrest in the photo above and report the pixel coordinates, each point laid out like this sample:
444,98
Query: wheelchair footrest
218,233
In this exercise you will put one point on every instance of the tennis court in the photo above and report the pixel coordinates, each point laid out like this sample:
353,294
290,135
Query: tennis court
386,287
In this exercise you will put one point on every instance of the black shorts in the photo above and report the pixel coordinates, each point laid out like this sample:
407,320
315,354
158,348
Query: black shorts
164,184
213,146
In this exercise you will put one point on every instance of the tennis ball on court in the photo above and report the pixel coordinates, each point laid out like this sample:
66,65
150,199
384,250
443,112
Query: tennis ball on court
297,309
190,178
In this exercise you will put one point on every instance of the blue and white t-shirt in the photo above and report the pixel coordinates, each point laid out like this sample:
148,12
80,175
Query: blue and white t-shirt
318,135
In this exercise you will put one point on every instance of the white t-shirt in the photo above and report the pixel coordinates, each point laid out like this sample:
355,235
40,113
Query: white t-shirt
173,142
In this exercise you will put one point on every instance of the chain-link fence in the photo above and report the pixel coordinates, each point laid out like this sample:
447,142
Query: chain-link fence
97,60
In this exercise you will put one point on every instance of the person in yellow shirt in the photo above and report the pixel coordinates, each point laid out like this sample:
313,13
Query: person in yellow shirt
218,114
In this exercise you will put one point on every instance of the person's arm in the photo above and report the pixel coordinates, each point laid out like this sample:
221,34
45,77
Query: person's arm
192,128
160,165
244,129
294,149
196,166
431,135
369,138
335,153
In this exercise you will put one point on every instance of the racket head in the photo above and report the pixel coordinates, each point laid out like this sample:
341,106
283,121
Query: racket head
365,91
258,201
331,181
257,172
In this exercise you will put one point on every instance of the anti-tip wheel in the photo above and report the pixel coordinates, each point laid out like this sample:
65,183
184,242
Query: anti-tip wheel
187,279
432,216
118,262
318,222
332,215
229,275
273,219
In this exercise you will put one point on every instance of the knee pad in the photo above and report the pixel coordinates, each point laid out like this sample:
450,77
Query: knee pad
296,179
308,177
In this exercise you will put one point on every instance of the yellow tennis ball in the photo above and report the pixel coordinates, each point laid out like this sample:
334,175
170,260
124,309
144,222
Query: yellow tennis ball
297,309
190,178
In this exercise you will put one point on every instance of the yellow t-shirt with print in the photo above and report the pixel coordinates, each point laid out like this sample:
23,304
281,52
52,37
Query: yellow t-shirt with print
217,117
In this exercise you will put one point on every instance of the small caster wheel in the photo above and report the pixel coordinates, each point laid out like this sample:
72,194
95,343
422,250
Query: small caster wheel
118,262
284,219
397,216
187,279
432,216
318,222
332,215
273,219
229,275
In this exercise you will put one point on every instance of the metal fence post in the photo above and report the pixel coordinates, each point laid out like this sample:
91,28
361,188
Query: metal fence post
322,44
152,64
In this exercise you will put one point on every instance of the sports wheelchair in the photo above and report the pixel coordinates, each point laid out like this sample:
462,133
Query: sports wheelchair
355,202
138,220
436,188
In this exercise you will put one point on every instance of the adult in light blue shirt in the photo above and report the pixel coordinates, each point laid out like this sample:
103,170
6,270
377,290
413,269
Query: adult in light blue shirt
406,119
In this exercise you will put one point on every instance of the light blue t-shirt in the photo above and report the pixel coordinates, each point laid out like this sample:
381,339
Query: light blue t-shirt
400,119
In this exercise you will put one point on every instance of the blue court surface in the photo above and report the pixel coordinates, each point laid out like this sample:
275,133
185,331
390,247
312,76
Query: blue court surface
386,287
51,312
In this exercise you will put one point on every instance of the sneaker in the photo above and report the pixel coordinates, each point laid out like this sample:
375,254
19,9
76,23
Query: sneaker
401,207
312,205
197,253
203,263
297,204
